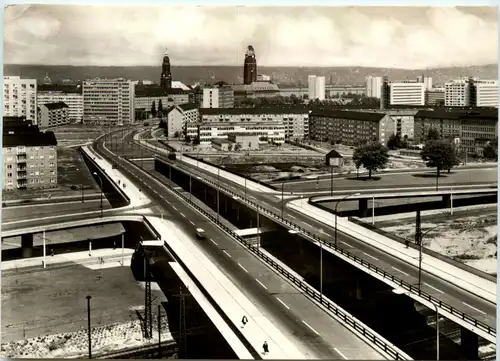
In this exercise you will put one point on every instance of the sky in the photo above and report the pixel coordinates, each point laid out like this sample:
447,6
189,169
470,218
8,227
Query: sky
388,37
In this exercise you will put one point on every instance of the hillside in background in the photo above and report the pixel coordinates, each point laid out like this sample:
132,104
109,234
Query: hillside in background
232,74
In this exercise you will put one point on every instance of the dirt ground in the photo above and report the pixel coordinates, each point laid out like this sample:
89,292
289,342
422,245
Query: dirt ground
40,303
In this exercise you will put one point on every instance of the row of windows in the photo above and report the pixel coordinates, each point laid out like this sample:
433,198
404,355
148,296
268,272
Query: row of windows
34,173
33,181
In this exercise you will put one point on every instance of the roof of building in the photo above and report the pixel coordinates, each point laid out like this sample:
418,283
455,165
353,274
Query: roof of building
220,141
188,106
256,86
56,105
491,114
62,88
374,117
333,154
276,109
13,121
156,91
28,138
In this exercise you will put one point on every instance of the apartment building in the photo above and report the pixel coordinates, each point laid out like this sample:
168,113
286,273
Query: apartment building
29,156
265,130
458,93
218,97
486,93
74,101
349,127
295,119
473,128
407,93
435,96
180,115
316,87
403,119
53,114
108,101
373,86
19,98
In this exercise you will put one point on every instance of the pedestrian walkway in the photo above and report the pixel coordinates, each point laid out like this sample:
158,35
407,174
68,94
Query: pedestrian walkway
461,278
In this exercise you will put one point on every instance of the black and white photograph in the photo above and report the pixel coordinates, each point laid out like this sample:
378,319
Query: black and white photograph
255,182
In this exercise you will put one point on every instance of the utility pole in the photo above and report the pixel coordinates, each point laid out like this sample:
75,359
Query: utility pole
148,316
418,241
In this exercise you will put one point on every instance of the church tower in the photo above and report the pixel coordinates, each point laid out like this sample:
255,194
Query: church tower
250,67
166,75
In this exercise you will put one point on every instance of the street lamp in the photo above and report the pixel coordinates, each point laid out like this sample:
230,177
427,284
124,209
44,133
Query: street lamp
81,186
336,205
282,203
331,182
218,185
420,254
100,180
88,315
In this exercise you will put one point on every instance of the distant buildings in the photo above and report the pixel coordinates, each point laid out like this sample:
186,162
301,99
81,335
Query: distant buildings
166,75
178,116
108,101
350,128
29,156
458,93
486,93
426,80
146,95
406,93
473,128
435,96
255,90
19,96
72,97
373,86
316,87
218,97
263,77
250,66
53,114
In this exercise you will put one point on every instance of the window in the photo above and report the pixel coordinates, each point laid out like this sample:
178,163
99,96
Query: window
9,166
51,164
42,157
9,175
52,180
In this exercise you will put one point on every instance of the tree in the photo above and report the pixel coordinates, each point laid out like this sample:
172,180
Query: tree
490,150
395,142
160,108
440,154
196,140
433,134
176,134
230,147
187,139
372,156
162,125
153,109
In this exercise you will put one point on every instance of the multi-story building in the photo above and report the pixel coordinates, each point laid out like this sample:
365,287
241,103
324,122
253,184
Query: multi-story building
218,97
295,119
486,93
403,119
257,89
350,128
108,101
146,95
407,93
180,115
53,114
74,101
29,156
316,87
265,130
426,80
373,86
457,93
473,128
435,96
19,98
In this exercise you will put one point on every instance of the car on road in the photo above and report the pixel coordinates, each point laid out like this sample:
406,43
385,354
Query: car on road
200,233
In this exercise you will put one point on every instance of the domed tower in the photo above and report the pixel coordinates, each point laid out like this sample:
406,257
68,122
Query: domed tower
250,67
166,76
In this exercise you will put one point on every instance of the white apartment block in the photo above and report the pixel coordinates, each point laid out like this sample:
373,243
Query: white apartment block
374,86
179,116
316,87
19,96
53,115
218,97
407,93
265,130
74,101
457,93
108,101
486,93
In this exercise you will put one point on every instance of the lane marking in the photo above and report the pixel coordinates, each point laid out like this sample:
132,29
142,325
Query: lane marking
174,207
434,288
322,231
227,254
312,329
260,283
397,269
191,222
243,268
213,242
347,244
369,255
474,308
283,303
340,353
182,214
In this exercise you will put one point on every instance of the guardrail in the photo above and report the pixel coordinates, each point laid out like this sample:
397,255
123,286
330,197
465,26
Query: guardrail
411,244
403,284
309,291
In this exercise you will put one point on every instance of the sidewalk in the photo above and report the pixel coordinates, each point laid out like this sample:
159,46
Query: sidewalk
463,279
88,196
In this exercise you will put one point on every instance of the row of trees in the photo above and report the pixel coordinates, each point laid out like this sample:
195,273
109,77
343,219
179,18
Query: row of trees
157,112
357,100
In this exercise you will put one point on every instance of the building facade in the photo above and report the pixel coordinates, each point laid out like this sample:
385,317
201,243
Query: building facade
74,101
218,97
473,128
407,93
435,96
245,141
19,98
146,95
108,101
458,93
486,93
316,87
250,66
350,128
179,116
257,89
373,86
404,119
53,115
29,157
265,130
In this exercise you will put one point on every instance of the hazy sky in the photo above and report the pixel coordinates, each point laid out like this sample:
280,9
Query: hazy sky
401,37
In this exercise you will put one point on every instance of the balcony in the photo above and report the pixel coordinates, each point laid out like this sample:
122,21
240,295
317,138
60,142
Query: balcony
21,167
22,184
22,175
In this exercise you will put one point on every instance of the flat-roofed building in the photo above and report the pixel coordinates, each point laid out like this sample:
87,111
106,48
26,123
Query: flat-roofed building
146,95
407,93
373,86
257,89
222,144
473,128
178,116
350,128
267,131
218,97
245,141
108,101
29,156
435,96
19,98
458,93
486,93
53,114
69,94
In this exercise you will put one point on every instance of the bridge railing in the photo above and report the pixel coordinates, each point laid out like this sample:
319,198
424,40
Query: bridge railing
401,283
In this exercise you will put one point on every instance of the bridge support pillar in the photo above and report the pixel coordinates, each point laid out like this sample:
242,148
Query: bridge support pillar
446,200
27,245
359,291
363,208
469,342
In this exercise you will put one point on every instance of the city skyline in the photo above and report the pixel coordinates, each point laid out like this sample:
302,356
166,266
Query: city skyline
396,37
